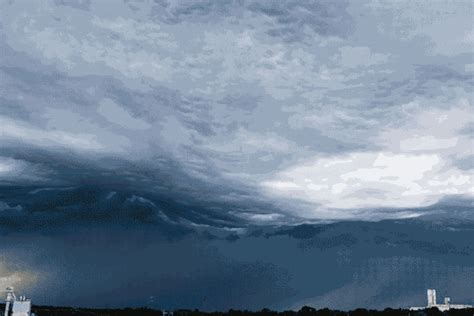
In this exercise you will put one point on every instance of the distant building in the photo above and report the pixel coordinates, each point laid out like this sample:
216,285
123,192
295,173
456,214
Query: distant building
431,294
17,306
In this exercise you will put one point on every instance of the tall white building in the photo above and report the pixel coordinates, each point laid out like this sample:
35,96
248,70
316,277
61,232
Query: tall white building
17,306
431,294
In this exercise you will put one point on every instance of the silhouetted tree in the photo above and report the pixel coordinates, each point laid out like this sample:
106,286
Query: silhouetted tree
307,310
433,311
359,312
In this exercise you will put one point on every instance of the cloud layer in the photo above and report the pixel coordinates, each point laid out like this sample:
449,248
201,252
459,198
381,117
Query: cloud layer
172,148
323,107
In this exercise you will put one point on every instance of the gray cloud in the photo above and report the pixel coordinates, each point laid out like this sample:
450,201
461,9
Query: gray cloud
274,105
294,18
289,21
217,121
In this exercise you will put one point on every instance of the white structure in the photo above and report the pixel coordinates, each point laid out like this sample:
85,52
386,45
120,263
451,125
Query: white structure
17,306
431,294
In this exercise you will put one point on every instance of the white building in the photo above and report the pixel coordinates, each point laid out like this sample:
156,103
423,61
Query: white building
431,294
17,306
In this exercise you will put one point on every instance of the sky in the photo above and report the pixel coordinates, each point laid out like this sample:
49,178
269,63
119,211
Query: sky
197,129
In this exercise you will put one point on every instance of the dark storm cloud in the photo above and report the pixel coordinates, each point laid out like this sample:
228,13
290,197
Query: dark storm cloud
88,192
159,175
184,273
390,262
170,148
208,153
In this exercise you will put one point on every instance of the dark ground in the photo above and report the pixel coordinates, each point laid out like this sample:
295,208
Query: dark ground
305,311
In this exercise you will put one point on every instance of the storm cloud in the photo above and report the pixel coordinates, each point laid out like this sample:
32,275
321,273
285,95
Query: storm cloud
201,121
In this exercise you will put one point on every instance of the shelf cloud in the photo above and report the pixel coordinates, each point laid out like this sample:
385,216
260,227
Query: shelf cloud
226,119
